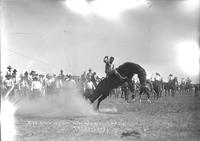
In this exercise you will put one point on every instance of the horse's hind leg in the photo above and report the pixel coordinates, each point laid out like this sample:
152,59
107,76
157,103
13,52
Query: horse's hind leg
100,99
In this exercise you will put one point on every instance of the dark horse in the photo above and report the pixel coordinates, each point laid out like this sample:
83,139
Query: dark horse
171,87
127,70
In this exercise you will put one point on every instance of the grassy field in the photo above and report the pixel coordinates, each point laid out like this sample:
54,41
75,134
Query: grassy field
169,118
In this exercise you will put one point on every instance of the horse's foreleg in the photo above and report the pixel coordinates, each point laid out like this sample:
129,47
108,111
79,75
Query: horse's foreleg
100,99
94,96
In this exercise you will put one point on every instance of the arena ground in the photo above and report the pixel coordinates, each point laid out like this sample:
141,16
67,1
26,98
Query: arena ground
169,118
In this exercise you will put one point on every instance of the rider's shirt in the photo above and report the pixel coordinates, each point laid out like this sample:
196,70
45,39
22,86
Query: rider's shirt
109,68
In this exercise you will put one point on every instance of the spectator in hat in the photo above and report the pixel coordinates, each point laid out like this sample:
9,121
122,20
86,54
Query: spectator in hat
170,78
41,79
61,75
61,72
26,74
182,81
8,72
89,88
14,73
158,77
8,82
36,87
89,75
32,73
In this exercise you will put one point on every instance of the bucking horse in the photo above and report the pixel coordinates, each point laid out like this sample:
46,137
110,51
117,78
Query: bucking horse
126,70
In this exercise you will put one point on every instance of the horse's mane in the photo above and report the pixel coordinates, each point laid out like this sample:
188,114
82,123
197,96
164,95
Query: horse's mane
125,65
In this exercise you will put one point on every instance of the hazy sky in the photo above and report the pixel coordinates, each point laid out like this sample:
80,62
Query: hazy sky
46,36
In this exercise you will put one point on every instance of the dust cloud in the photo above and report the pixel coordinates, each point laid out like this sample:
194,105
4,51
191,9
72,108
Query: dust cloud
69,102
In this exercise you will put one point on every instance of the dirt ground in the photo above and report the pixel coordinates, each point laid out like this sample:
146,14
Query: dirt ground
169,118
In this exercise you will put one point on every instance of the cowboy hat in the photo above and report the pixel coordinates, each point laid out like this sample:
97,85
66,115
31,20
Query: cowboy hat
26,73
32,72
9,67
14,71
157,73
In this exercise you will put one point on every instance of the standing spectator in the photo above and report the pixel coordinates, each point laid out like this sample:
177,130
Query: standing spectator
170,78
8,83
9,69
89,88
14,75
157,77
89,75
36,87
61,75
